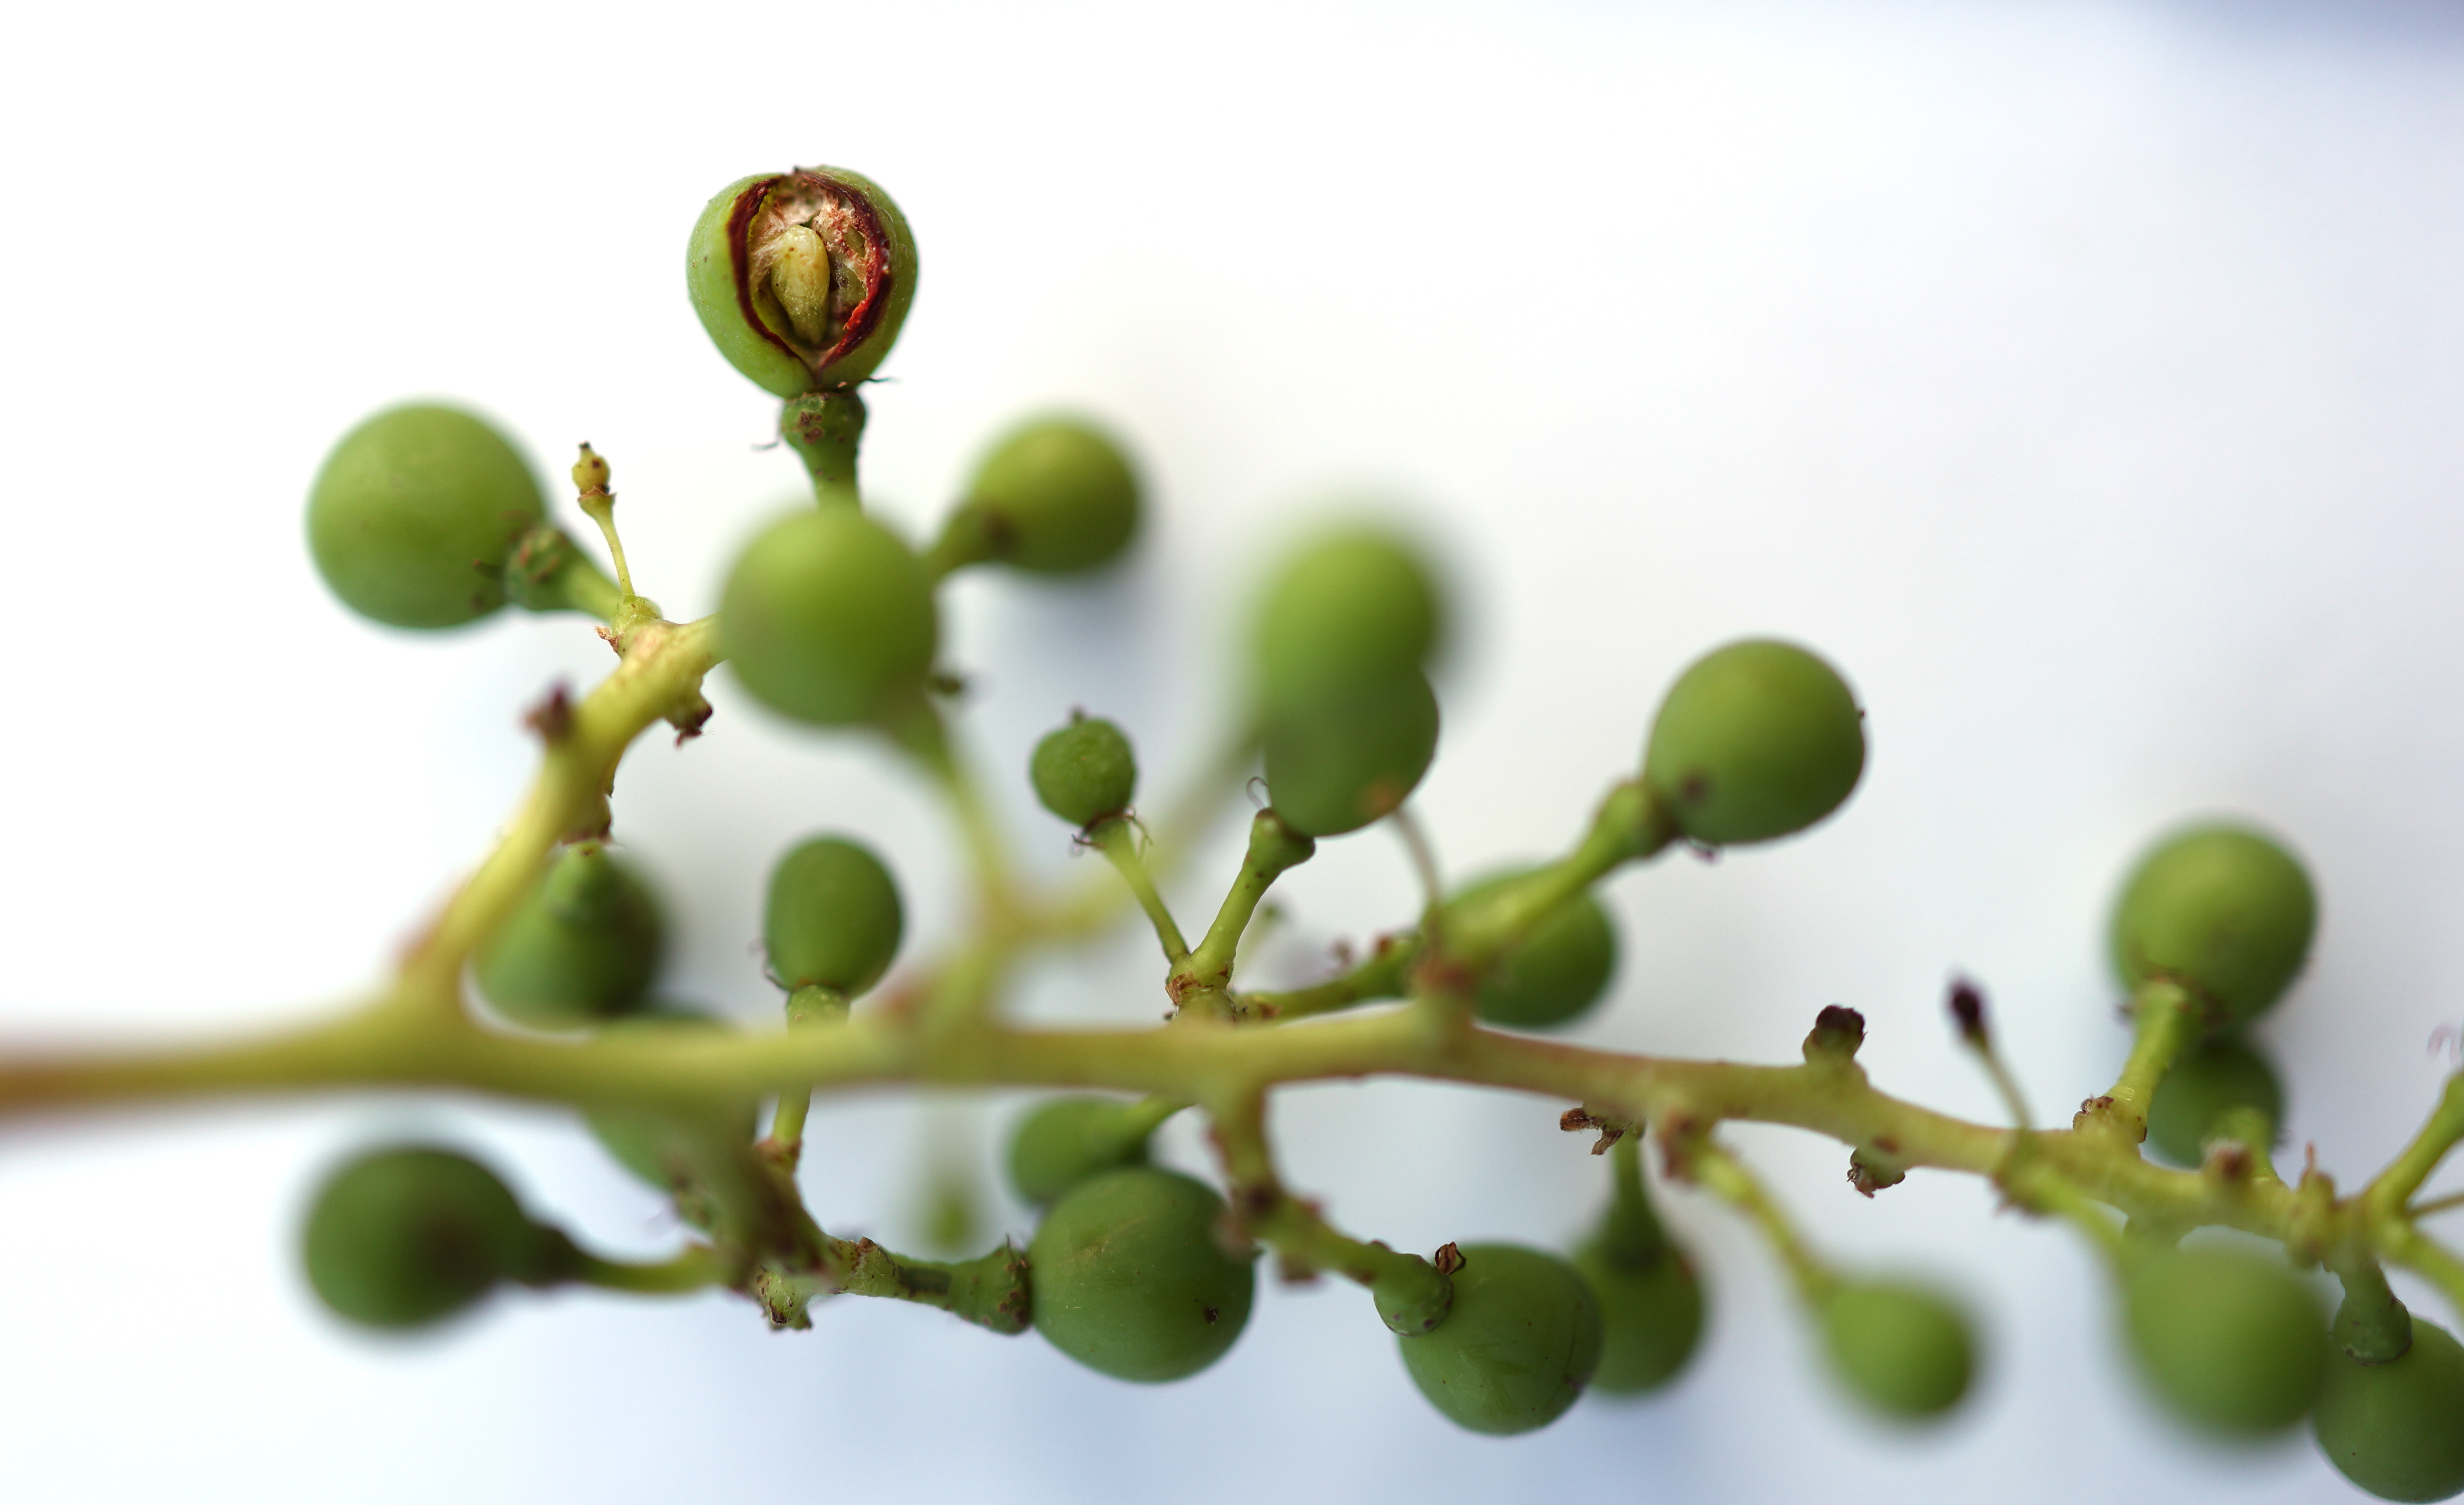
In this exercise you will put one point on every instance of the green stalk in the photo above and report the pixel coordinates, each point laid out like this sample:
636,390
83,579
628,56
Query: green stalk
1716,1171
2167,1023
1274,849
1117,840
698,1269
825,430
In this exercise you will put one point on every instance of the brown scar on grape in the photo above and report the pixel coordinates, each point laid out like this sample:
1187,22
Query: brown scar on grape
1448,1258
1211,1314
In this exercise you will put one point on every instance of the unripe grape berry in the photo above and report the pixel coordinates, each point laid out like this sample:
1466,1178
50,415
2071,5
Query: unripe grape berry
1756,740
1055,496
1337,766
582,947
801,279
1521,1341
1898,1348
406,1237
1084,771
413,513
828,617
2397,1429
1651,1316
1130,1281
1347,612
1069,1139
1560,969
833,919
2221,909
2230,1340
2206,1081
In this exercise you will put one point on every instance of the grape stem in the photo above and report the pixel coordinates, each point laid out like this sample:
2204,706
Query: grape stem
939,1026
2167,1020
1203,976
1412,1295
1117,839
697,1268
1694,1156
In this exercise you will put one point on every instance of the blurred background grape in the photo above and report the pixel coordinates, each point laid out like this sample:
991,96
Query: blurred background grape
2084,379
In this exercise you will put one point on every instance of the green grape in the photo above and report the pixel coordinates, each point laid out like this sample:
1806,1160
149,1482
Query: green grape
1338,766
414,513
1084,771
828,617
1756,740
2397,1429
582,947
1055,496
1651,1316
1898,1348
1069,1139
1348,611
2224,909
1558,971
804,278
402,1238
1522,1340
2219,1074
2230,1341
833,919
1130,1281
1650,1298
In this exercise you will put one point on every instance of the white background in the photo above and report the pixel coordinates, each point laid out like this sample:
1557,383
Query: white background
2084,379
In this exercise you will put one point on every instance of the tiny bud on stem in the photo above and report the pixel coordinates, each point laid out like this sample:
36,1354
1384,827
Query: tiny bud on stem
1968,1010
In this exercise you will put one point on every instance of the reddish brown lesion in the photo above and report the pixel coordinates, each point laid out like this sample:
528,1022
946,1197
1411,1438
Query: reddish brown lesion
851,229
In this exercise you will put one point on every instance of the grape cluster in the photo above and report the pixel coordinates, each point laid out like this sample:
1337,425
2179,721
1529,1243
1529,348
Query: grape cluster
427,518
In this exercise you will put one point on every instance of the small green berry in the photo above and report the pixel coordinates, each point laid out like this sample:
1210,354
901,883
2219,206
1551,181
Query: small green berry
1337,766
2208,1079
402,1238
2230,1340
1558,971
1129,1279
1084,773
833,919
1522,1340
1054,496
2397,1429
2222,909
801,279
1651,1316
1756,740
1348,611
1898,1348
581,949
1650,1297
829,618
412,516
1069,1139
